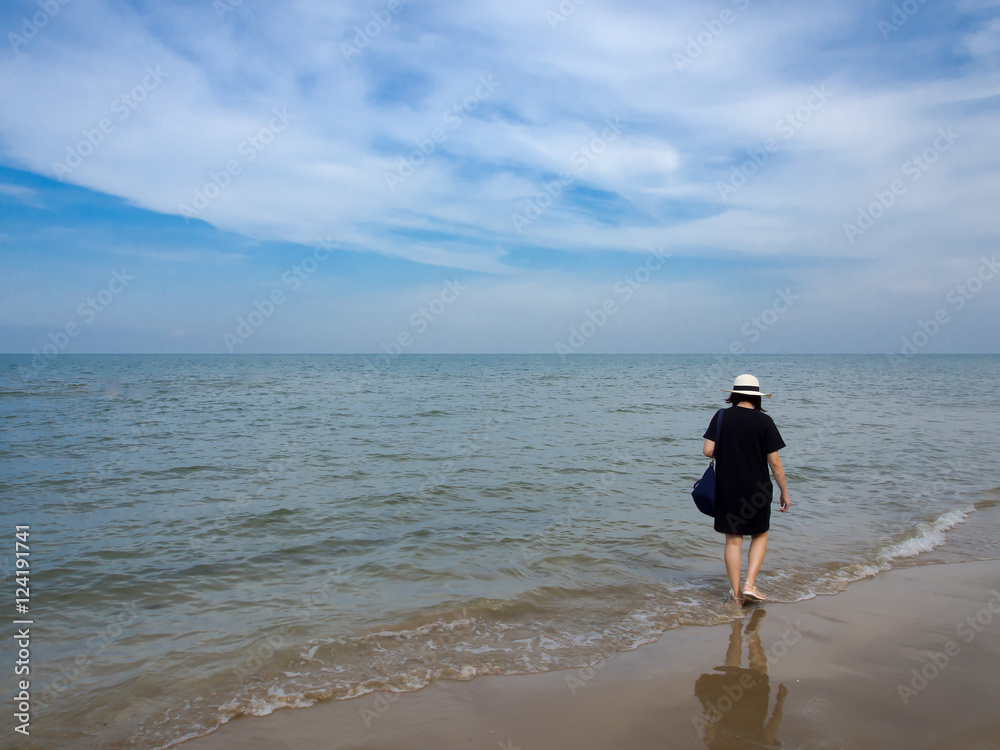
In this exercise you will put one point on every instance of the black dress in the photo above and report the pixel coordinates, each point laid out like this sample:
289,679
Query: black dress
743,486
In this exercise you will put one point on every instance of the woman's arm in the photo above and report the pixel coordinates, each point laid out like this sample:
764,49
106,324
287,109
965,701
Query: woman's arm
774,461
709,448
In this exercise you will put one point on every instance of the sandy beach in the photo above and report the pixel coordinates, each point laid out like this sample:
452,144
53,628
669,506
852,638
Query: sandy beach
906,659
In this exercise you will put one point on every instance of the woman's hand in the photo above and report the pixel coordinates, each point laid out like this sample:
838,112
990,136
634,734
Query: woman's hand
785,502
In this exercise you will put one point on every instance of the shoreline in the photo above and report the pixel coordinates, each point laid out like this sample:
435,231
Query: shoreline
903,657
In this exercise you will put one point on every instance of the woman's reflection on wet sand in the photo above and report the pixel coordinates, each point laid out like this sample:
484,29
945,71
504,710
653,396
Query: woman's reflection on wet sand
735,699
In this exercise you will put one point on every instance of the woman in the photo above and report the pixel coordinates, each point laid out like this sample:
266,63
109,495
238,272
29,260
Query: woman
748,445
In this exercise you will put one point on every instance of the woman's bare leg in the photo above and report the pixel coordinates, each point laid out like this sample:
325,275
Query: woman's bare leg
755,557
733,553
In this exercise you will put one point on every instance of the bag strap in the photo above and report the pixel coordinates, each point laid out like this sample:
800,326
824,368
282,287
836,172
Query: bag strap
718,433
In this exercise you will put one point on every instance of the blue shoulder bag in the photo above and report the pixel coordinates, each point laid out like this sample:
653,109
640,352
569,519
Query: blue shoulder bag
704,488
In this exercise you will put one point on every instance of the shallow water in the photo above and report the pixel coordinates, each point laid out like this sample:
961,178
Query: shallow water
214,536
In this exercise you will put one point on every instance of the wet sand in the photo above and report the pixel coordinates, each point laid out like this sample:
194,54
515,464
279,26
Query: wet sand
907,659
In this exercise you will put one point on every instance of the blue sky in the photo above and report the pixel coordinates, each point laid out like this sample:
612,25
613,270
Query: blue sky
495,176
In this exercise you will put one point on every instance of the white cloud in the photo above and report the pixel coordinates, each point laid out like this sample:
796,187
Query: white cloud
324,173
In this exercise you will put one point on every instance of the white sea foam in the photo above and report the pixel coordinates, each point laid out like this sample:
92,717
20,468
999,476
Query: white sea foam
515,647
930,535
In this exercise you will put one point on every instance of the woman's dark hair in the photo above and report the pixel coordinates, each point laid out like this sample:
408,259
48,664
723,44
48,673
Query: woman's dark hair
735,398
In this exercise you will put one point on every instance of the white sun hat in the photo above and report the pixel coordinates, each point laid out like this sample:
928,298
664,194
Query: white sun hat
747,385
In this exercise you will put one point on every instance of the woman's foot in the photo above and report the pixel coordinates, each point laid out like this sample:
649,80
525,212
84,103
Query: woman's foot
737,599
750,593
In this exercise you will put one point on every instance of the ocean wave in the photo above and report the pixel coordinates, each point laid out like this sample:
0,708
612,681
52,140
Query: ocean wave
923,538
544,629
928,536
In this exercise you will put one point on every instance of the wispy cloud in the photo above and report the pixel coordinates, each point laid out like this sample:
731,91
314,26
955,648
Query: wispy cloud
371,91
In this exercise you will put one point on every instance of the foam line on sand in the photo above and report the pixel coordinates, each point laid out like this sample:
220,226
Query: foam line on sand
905,659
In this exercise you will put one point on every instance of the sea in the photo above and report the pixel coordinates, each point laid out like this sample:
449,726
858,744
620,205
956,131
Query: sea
218,536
